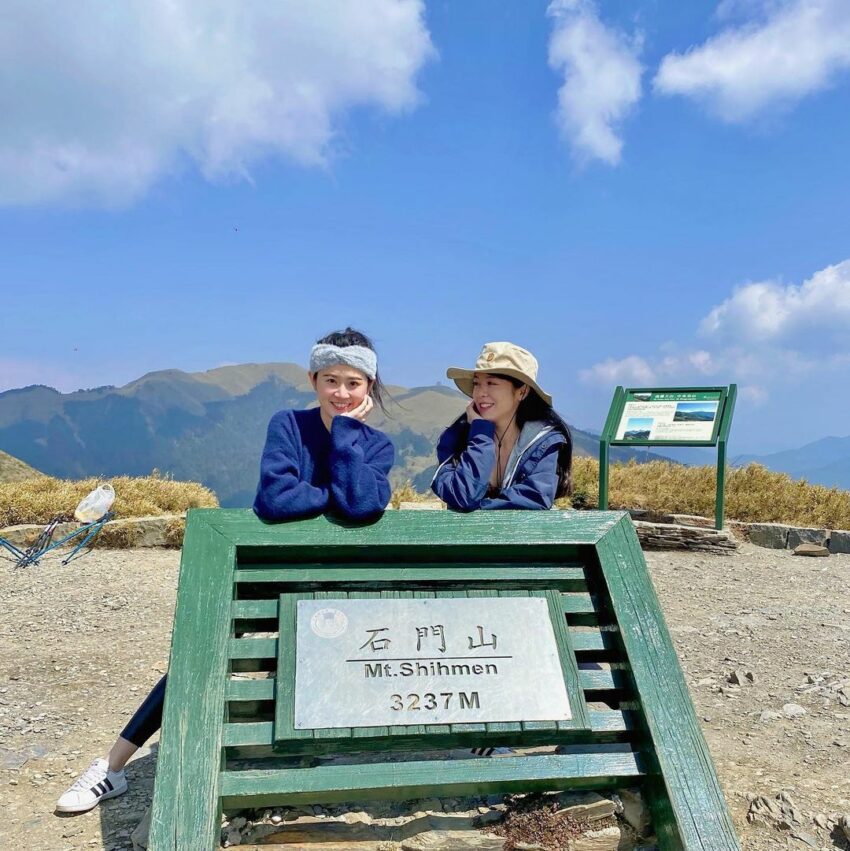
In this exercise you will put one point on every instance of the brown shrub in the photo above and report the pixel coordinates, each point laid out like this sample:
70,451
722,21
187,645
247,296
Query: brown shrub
754,494
39,500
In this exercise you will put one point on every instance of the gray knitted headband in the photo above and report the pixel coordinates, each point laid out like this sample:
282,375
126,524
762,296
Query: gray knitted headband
324,355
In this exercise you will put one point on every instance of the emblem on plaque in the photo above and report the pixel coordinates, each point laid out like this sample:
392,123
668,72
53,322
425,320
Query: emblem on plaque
329,623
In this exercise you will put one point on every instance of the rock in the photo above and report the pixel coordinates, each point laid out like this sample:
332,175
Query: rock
793,710
843,824
692,520
810,550
161,531
587,807
771,535
741,678
839,541
453,840
635,811
769,715
797,536
139,837
606,839
670,536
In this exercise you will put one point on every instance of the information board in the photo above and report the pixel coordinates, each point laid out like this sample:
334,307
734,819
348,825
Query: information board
426,661
669,416
681,417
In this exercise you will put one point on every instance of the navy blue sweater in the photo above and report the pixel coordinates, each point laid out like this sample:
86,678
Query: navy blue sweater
307,470
467,455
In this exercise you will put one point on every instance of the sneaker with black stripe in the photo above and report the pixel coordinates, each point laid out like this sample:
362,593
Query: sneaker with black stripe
95,784
492,751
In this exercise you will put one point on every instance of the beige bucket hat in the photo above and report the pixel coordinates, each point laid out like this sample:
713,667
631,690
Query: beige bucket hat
504,359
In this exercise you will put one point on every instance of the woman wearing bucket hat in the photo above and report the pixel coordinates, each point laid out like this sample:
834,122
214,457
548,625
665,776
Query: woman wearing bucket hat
510,449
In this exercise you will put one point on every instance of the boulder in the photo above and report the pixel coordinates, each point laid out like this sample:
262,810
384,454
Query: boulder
839,541
810,550
774,536
797,536
670,536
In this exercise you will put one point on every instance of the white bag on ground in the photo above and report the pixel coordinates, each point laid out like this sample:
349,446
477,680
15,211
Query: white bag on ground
96,504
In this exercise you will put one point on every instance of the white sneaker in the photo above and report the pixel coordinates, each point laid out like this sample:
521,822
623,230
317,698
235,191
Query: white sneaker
95,784
492,751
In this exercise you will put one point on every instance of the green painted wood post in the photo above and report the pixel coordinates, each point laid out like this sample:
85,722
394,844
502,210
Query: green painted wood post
688,808
605,447
722,437
187,803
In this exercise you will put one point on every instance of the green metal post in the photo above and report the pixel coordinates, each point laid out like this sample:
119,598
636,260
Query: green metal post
720,499
605,446
722,437
603,472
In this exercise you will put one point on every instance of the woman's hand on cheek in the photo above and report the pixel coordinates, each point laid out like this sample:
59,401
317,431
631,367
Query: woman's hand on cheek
361,411
471,413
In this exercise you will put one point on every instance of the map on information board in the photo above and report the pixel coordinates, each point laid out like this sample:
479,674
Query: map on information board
669,416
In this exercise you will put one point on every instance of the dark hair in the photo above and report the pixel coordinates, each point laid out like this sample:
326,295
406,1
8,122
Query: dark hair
350,337
532,408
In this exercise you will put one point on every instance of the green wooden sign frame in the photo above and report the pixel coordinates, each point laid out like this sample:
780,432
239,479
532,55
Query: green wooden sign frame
719,437
219,748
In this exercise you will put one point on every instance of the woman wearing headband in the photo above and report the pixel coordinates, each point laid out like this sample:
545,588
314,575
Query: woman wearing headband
510,449
324,459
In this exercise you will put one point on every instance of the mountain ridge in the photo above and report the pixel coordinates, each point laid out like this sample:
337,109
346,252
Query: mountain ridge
210,426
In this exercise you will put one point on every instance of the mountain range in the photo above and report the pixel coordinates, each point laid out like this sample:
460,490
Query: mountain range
824,462
210,426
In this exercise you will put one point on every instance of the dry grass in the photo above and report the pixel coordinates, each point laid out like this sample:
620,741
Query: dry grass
407,493
754,494
41,499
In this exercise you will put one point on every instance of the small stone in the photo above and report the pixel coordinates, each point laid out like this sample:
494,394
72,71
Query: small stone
810,550
741,678
793,710
769,715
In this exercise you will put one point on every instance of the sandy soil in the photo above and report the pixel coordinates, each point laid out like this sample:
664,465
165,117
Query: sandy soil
81,645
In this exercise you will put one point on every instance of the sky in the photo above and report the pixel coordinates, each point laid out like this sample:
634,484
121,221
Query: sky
641,192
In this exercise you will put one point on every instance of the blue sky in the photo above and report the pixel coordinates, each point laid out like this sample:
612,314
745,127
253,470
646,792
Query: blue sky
646,193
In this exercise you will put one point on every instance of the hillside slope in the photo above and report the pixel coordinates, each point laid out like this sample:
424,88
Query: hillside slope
14,470
209,426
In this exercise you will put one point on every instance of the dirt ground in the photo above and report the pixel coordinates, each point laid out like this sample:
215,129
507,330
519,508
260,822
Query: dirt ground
81,645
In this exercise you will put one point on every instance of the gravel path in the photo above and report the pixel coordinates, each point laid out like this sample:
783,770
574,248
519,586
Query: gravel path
81,645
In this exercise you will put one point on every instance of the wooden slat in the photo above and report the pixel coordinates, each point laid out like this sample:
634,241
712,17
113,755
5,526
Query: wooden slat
261,732
255,609
689,809
567,578
186,806
406,780
252,648
486,531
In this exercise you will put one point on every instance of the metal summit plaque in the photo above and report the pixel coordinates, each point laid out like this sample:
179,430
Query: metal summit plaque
384,662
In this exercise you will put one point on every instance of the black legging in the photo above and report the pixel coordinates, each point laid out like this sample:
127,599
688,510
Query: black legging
147,719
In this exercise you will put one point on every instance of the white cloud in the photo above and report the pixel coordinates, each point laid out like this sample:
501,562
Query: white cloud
602,78
796,47
769,311
101,100
764,335
634,369
629,370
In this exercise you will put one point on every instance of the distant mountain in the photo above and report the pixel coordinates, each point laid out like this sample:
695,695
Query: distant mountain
824,462
210,426
13,470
